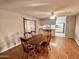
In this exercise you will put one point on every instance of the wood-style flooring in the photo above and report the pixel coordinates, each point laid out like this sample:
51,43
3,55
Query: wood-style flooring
61,48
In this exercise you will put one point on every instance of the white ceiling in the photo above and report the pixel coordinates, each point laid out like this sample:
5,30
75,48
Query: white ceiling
41,8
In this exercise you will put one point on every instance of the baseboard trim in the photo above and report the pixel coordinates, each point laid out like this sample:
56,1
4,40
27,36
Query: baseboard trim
10,47
77,42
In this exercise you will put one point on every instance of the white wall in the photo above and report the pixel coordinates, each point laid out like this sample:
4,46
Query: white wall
77,29
70,26
11,27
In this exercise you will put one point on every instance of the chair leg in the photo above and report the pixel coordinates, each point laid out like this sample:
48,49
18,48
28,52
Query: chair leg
49,47
27,55
22,56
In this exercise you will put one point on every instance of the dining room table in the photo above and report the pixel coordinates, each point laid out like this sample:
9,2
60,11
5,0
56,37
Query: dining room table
36,40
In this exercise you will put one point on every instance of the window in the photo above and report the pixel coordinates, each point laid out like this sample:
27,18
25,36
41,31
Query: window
60,24
60,28
29,25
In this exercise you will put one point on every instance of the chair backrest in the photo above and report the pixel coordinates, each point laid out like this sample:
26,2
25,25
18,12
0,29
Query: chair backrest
28,35
48,38
24,44
44,43
33,33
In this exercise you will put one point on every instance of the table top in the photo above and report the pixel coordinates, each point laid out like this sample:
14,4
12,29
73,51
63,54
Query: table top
35,40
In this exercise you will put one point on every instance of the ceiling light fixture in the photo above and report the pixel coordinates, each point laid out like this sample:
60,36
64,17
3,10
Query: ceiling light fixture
52,16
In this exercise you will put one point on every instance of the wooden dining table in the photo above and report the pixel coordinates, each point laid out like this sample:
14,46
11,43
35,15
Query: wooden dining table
35,45
36,40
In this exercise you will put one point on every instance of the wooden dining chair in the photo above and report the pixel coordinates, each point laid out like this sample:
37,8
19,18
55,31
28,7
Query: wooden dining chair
33,33
24,46
28,35
27,48
46,42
